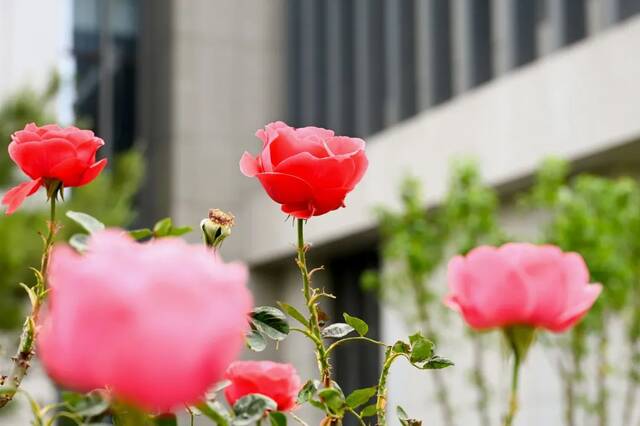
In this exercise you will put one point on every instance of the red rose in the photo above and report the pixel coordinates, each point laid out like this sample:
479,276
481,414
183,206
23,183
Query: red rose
51,153
308,170
279,382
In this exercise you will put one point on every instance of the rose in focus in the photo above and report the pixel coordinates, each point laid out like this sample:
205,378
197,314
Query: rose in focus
279,382
309,171
156,323
51,154
521,284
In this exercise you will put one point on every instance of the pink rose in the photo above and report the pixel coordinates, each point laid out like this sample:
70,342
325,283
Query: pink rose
309,171
521,284
279,382
52,153
156,323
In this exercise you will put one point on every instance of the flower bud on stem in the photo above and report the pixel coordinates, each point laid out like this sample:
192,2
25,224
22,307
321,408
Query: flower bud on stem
22,358
216,228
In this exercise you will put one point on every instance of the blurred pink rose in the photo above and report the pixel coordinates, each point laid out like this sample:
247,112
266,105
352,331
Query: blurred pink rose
157,323
521,284
309,171
279,382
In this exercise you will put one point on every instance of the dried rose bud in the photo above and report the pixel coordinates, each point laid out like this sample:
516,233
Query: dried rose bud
216,227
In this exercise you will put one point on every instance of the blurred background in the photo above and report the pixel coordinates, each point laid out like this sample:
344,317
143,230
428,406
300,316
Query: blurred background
462,103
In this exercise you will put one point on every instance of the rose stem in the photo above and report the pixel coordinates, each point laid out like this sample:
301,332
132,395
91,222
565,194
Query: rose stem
22,358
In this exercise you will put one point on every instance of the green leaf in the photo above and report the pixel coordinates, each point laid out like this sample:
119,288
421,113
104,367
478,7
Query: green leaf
33,298
214,411
162,227
360,396
141,234
177,232
271,322
88,222
358,325
401,347
437,363
369,410
333,399
166,420
277,419
255,341
421,348
89,405
337,330
294,313
308,391
79,242
251,408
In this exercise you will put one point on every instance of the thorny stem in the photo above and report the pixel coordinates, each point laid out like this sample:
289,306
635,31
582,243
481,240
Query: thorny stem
381,397
309,296
22,358
513,399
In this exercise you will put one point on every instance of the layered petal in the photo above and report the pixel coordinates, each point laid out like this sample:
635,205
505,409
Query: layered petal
520,284
151,294
280,382
16,195
285,189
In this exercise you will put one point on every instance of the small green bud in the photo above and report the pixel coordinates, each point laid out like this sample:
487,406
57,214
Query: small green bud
216,227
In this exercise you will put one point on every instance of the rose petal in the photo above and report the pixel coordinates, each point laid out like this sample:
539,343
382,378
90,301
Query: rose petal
92,172
328,172
249,165
285,189
287,144
16,195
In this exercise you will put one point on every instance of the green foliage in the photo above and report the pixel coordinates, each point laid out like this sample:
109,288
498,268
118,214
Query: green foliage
599,218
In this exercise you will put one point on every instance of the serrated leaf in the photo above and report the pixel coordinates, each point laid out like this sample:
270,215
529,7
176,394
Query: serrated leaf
277,419
294,313
361,327
255,341
337,330
369,410
162,227
437,363
360,396
80,242
333,399
271,322
88,222
141,234
421,348
308,391
251,408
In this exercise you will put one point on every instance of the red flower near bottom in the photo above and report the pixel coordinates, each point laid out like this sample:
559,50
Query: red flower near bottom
279,382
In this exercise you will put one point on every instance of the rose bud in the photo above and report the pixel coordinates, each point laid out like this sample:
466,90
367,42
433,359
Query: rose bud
157,324
53,157
216,227
309,171
280,382
520,284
